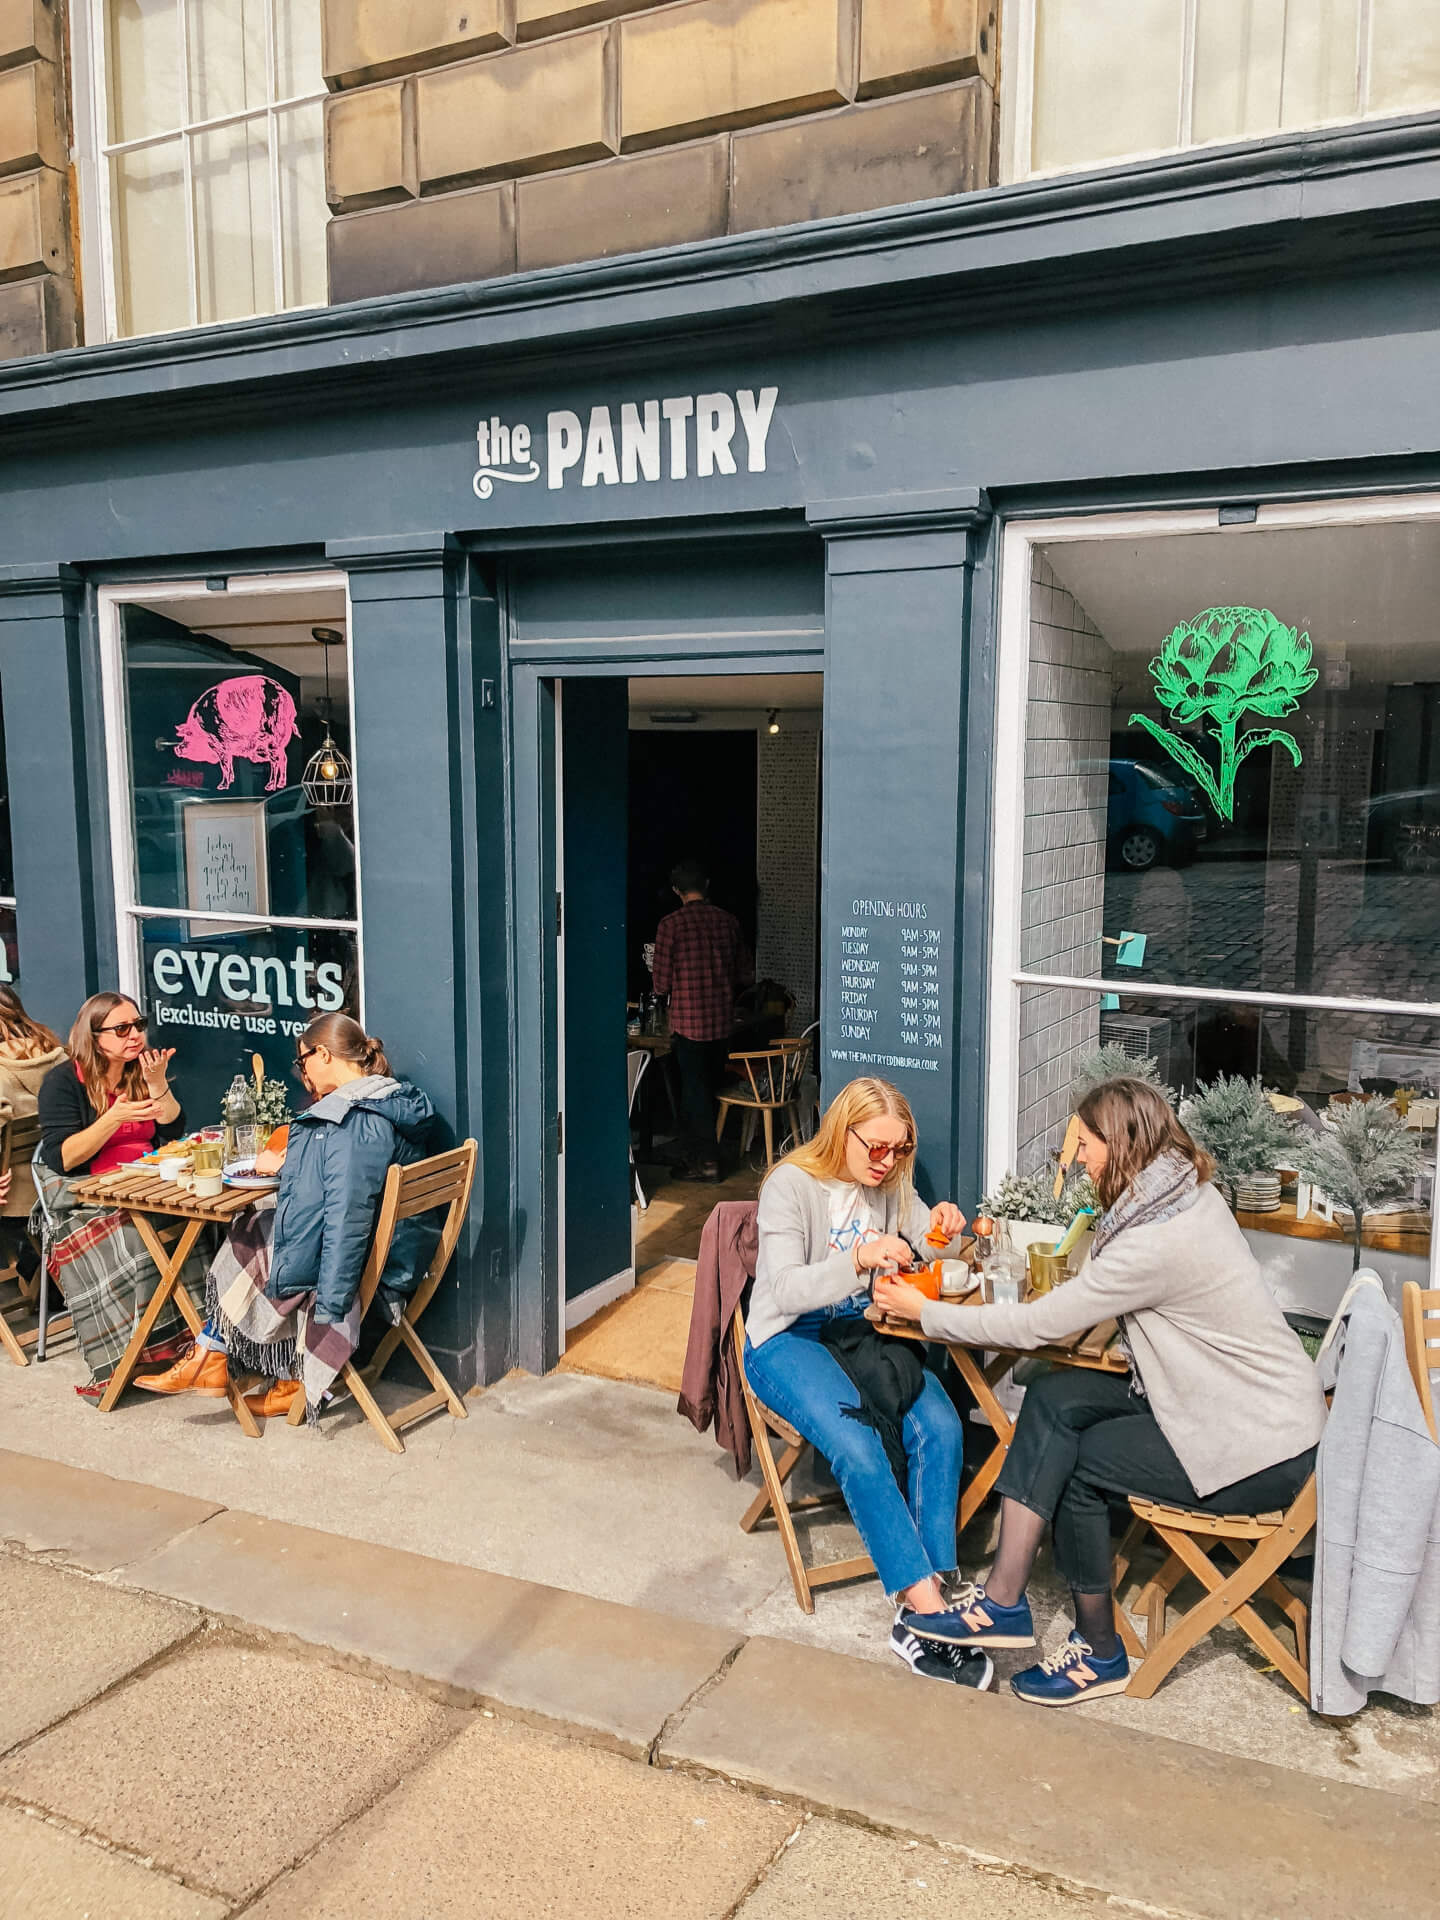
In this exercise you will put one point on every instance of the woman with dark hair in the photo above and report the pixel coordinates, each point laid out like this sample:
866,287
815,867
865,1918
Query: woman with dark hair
102,1105
1221,1410
283,1292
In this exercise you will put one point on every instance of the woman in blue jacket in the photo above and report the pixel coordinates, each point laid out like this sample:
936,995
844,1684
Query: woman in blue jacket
283,1293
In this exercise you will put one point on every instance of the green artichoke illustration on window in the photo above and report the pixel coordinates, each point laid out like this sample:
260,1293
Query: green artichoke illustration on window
1223,664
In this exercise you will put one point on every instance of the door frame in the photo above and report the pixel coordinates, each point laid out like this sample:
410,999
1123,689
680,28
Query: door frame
537,1093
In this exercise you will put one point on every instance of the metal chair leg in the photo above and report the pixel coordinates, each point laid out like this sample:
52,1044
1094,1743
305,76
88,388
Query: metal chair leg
44,1306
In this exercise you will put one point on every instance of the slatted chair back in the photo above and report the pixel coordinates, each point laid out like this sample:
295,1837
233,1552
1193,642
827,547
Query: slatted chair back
774,1076
773,1499
443,1180
1420,1315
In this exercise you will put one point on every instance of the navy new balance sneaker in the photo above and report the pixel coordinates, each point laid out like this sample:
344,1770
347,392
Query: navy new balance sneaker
1072,1674
972,1620
961,1666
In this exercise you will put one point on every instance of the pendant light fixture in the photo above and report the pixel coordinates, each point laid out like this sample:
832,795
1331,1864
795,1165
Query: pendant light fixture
327,780
772,724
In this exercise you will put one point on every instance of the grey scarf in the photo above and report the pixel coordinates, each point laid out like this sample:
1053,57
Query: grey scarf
1169,1185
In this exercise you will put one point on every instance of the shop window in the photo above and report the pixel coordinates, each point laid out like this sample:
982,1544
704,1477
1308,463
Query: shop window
240,910
207,182
1163,75
1231,789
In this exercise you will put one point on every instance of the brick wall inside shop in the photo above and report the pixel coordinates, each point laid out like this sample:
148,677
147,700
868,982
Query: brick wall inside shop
471,138
787,859
37,270
1067,752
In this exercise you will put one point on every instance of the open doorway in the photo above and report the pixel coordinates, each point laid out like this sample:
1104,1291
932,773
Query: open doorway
723,771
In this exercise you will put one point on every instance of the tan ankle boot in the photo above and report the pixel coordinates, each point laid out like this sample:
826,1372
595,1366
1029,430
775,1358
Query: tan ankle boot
274,1401
198,1371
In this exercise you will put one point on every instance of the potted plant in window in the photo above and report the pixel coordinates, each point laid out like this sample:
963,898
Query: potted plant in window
1363,1157
1234,1122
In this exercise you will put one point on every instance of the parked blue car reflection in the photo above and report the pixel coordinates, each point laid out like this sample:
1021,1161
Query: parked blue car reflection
1151,817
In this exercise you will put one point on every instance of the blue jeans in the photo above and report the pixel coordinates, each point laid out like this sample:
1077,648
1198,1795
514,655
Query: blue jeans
908,1539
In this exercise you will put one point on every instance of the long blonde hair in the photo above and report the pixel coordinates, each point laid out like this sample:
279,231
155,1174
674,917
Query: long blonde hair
862,1100
25,1038
84,1049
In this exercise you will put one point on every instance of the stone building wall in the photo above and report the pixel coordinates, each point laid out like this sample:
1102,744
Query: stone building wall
472,138
37,270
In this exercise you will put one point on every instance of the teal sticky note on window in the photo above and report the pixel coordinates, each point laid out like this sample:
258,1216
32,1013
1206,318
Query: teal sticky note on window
1109,1003
1131,951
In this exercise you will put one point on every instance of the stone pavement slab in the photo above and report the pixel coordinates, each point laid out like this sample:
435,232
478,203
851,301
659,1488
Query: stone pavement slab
64,1639
227,1764
1061,1793
511,1823
831,1869
618,1672
53,1875
60,1510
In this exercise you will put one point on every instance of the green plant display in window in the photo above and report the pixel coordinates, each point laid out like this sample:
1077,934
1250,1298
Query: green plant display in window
1225,663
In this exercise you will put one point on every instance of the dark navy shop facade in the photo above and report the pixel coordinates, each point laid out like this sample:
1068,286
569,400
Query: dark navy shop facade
804,452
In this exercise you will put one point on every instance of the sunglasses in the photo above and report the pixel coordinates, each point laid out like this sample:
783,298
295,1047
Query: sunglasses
125,1028
879,1155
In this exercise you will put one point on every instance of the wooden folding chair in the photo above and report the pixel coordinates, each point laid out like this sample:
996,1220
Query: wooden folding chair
19,1138
1417,1304
444,1180
771,1086
773,1498
1260,1543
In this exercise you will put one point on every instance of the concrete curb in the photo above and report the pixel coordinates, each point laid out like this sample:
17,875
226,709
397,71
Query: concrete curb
1149,1821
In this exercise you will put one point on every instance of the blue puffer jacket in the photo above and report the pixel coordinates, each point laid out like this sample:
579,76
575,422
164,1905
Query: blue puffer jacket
335,1165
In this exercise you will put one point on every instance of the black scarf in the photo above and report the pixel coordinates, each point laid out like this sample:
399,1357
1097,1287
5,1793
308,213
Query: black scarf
887,1373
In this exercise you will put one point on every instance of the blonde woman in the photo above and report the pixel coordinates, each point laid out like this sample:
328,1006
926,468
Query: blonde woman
833,1213
28,1051
1221,1410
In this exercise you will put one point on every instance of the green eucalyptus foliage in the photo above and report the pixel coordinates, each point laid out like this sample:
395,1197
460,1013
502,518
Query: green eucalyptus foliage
1363,1157
1237,1126
1031,1196
1227,662
1114,1063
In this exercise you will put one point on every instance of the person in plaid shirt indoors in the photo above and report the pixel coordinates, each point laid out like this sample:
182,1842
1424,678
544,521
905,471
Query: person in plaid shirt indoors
701,961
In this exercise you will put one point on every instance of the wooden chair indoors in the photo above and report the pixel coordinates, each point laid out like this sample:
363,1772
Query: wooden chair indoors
771,1085
1420,1315
773,1497
444,1180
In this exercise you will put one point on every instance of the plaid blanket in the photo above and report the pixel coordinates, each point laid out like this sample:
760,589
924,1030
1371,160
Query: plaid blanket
101,1265
281,1339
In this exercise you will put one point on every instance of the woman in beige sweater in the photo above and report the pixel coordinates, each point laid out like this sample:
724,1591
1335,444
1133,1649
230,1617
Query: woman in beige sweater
1221,1409
28,1051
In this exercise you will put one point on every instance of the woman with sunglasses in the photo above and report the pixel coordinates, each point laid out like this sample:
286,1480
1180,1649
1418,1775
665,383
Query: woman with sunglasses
283,1292
105,1104
833,1213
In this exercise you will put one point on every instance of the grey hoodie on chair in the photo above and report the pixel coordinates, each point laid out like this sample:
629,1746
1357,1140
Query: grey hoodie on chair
1375,1612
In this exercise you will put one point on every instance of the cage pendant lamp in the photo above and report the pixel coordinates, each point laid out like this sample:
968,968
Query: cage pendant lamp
327,780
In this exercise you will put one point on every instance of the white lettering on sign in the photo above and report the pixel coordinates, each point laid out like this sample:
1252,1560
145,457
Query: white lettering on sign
641,441
263,979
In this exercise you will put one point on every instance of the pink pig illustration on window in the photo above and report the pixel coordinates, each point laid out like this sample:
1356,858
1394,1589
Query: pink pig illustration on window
248,718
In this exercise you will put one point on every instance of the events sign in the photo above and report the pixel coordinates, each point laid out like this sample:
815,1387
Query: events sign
648,442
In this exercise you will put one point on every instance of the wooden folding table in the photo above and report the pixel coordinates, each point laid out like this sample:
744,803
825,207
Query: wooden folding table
1091,1351
140,1192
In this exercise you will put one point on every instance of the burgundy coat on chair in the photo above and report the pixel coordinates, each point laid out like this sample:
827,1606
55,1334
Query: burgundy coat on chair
710,1390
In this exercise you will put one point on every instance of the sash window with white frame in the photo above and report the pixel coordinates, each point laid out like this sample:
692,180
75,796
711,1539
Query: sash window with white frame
1162,75
1218,836
201,151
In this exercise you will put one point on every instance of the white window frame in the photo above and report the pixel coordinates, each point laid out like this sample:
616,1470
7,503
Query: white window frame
94,151
1017,93
1007,851
129,913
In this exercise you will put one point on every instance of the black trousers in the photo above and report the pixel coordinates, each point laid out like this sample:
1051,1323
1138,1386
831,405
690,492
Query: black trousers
1083,1439
699,1064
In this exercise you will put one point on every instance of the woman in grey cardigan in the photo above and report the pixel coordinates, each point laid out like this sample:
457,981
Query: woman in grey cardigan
1222,1408
834,1212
